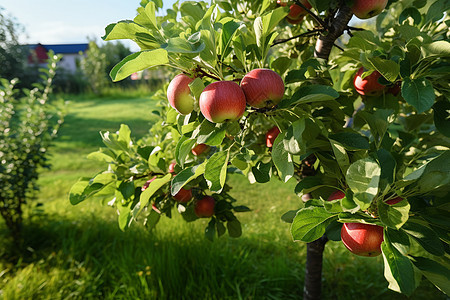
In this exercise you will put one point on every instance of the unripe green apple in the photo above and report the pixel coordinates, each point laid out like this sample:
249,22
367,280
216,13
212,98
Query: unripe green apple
204,208
179,94
183,195
366,9
369,86
336,195
222,101
362,239
262,88
271,135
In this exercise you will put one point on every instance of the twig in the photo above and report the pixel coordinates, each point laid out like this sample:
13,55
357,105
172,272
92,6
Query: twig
309,33
315,17
355,28
339,47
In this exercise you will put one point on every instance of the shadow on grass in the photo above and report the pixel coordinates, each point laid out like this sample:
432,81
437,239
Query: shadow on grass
92,258
105,261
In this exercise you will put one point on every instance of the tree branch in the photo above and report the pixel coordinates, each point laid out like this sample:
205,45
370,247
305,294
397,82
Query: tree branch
305,34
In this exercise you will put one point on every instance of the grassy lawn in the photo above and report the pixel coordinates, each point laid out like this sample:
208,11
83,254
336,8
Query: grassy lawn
78,252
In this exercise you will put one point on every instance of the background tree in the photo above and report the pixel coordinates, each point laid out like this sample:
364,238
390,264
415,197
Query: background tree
362,128
28,124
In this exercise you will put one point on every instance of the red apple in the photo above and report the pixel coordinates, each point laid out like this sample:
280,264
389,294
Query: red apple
262,88
365,9
172,168
394,201
296,11
199,149
179,94
362,239
222,101
204,208
183,196
368,86
271,135
145,186
336,195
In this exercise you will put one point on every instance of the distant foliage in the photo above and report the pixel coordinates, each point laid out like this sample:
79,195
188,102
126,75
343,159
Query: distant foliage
29,121
99,61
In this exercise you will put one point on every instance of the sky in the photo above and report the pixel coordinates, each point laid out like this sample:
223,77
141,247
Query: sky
69,22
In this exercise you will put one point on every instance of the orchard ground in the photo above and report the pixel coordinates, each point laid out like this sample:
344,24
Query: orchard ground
79,252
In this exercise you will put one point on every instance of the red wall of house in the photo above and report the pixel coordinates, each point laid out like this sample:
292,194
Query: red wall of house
39,53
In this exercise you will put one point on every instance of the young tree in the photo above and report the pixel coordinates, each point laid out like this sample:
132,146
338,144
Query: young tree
28,124
362,124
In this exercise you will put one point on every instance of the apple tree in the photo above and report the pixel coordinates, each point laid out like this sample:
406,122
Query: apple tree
289,89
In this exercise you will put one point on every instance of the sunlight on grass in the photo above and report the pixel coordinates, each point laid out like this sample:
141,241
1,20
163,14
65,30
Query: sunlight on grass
78,252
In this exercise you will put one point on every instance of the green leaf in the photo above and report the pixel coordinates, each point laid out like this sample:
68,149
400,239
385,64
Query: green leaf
289,216
181,45
438,274
436,10
309,94
388,165
341,155
435,176
262,172
410,12
210,133
210,230
281,65
311,223
234,228
395,215
185,176
398,269
388,68
398,239
137,62
197,86
229,29
125,217
419,93
363,177
154,186
439,48
147,16
293,141
282,159
351,140
425,236
441,111
182,150
308,184
216,171
152,219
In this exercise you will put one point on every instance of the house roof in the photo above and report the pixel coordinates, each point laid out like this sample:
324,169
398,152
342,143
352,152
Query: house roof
63,48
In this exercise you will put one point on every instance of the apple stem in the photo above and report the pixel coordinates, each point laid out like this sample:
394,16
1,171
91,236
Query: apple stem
338,25
313,273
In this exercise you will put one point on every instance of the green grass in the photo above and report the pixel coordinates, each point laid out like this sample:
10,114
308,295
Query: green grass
78,252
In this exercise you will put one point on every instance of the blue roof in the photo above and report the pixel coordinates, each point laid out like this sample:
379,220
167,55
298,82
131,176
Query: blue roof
64,48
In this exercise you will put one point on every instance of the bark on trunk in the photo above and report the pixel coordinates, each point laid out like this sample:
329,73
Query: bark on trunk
336,29
313,275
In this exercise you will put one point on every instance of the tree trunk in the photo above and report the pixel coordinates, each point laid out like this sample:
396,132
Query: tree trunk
336,29
313,274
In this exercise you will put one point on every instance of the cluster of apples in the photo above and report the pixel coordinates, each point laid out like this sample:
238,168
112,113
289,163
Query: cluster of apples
223,101
204,207
362,239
